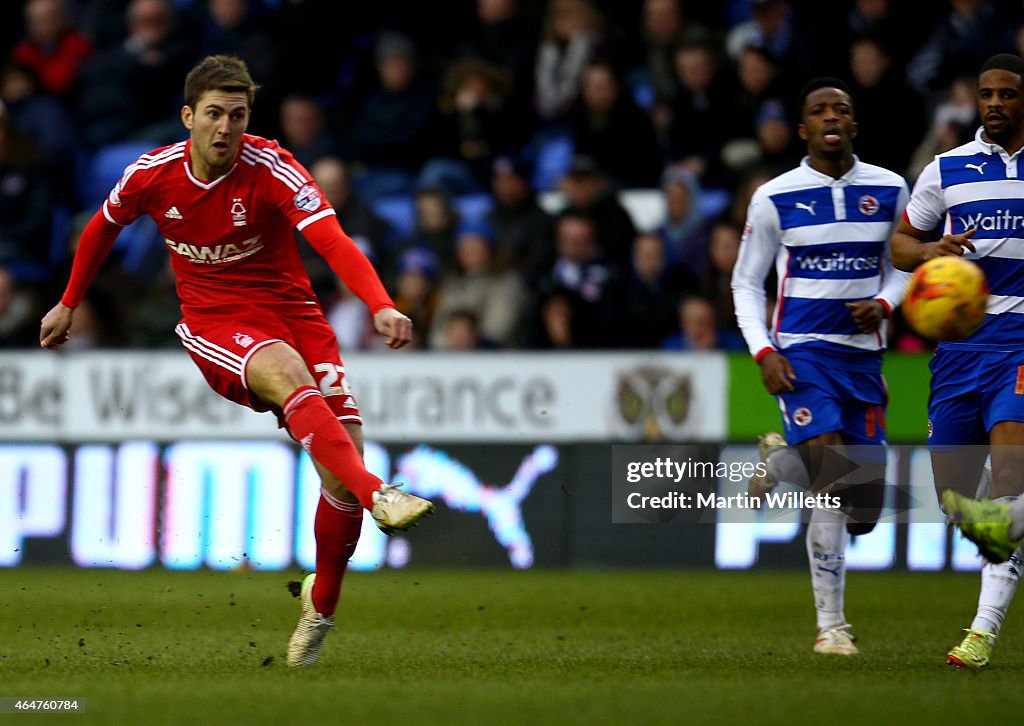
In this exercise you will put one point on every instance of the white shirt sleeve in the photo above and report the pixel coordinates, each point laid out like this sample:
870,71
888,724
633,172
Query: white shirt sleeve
894,282
762,239
927,207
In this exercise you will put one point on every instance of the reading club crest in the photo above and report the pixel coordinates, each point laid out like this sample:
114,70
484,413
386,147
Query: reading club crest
802,416
868,205
308,198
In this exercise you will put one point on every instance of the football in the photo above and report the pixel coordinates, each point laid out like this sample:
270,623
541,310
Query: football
946,298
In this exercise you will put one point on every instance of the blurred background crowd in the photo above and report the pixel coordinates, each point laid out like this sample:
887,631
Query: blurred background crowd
525,174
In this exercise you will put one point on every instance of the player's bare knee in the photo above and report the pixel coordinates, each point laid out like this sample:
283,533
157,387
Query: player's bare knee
275,372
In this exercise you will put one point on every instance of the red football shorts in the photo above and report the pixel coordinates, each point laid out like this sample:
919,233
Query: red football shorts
222,347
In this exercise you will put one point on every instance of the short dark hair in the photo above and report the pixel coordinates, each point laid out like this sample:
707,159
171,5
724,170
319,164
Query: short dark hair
823,82
1005,62
219,73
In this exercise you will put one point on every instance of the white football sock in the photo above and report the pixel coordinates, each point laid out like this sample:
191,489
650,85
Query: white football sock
826,554
786,465
998,585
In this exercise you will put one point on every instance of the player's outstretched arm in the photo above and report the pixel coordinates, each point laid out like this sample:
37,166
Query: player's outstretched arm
56,326
93,247
396,327
909,248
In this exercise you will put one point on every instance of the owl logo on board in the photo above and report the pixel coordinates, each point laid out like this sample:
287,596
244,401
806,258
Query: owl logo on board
653,403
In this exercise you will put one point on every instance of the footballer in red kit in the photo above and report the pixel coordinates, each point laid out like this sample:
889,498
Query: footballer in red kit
227,205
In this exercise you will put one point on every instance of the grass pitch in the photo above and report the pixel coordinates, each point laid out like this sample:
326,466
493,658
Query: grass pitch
499,647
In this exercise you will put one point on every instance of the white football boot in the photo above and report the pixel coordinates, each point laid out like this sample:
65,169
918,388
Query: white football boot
837,640
395,510
308,639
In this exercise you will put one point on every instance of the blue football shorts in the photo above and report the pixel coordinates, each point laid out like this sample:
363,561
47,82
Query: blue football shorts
829,398
971,392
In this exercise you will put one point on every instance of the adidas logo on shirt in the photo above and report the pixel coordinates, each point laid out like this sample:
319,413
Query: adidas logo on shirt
173,213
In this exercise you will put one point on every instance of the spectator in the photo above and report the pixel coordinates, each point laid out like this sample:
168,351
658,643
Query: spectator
134,90
436,222
696,126
772,145
875,90
557,322
649,295
572,35
416,291
699,329
684,232
475,126
953,123
771,29
961,42
665,28
19,314
877,20
757,74
502,36
390,137
25,201
232,27
155,309
723,250
604,118
523,231
43,120
590,192
578,293
496,299
462,333
304,128
53,49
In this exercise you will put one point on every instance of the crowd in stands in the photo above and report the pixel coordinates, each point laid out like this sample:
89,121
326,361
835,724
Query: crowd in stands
525,174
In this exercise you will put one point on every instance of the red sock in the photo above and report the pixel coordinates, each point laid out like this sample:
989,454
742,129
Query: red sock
337,529
315,426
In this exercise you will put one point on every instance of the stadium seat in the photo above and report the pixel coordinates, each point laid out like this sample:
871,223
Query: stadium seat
552,161
106,167
473,207
398,211
646,207
643,94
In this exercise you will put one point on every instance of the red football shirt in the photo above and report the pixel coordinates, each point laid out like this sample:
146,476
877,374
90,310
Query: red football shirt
231,240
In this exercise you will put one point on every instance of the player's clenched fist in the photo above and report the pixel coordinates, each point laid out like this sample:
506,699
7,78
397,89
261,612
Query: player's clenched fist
396,328
777,373
56,326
